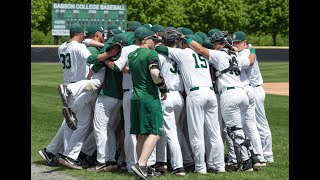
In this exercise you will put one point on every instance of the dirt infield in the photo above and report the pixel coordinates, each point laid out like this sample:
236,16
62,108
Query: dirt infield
281,88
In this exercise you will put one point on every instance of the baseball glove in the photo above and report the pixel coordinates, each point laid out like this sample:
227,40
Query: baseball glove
115,51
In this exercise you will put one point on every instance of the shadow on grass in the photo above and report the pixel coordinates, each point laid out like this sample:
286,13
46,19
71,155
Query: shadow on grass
53,168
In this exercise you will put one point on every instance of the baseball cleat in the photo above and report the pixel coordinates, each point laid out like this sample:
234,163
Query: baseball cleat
48,157
143,174
64,94
70,117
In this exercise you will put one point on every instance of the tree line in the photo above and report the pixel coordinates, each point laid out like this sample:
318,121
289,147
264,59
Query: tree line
259,17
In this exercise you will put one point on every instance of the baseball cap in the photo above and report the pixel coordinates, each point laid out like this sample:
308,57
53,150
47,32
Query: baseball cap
200,40
157,28
146,33
202,35
216,36
76,28
207,44
112,27
239,36
93,29
179,29
134,25
111,32
148,26
212,31
120,38
186,31
193,37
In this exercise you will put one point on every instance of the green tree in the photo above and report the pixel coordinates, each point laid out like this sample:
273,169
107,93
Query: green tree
229,15
41,15
165,13
269,17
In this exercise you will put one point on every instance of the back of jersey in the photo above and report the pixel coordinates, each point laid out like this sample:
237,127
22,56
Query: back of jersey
73,56
170,73
221,61
193,67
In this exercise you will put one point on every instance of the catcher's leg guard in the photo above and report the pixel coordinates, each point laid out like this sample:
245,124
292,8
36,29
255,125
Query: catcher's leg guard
253,156
237,146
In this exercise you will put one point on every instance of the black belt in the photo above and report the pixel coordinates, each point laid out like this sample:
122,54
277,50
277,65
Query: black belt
125,90
197,88
257,86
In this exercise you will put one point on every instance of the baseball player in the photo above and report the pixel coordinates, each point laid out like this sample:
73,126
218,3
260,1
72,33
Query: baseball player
256,81
146,114
130,139
171,107
56,145
201,107
249,121
73,55
233,99
106,113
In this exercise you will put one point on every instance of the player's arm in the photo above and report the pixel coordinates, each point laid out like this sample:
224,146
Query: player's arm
91,42
157,78
197,47
252,56
97,58
120,63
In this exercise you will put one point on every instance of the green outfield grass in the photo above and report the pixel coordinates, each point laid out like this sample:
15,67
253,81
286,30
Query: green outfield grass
46,118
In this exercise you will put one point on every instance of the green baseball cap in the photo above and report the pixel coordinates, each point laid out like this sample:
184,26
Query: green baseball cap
76,28
200,40
157,28
179,29
202,35
207,44
112,27
193,37
93,29
120,38
134,25
212,31
186,31
148,26
111,32
239,36
146,33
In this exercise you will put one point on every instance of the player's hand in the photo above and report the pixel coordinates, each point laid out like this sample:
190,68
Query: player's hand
234,49
163,96
126,69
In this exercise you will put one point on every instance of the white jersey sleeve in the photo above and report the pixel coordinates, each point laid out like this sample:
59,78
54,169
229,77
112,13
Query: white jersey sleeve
123,59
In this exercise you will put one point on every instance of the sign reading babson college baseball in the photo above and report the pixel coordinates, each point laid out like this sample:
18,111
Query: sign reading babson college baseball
63,15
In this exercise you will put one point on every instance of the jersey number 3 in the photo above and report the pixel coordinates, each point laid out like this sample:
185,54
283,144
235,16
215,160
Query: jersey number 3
66,60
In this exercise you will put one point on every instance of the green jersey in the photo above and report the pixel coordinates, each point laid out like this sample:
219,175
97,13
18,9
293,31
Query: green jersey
143,85
112,84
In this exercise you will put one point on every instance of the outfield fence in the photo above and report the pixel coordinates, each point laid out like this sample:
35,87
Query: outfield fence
49,53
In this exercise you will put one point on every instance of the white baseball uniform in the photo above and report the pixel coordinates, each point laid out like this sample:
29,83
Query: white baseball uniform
171,108
248,120
201,107
233,99
73,56
256,82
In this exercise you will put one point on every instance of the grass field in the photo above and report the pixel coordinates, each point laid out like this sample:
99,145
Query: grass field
46,118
